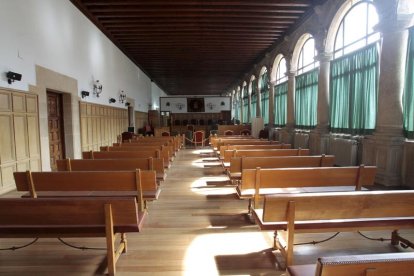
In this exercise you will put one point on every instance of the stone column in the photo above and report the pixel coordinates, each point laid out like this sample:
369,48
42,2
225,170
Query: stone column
286,134
241,108
385,147
319,137
259,100
249,111
271,104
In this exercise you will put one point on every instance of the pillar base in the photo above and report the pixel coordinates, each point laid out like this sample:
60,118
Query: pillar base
386,152
319,141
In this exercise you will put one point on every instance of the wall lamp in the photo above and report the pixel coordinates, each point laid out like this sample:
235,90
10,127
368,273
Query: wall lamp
97,88
122,96
112,100
84,94
12,76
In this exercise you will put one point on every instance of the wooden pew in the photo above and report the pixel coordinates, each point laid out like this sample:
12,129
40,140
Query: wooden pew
228,154
121,155
391,264
238,164
253,147
291,214
258,182
165,153
147,164
111,218
141,184
170,145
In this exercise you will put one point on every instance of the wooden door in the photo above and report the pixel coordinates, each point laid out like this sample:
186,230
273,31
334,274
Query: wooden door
55,123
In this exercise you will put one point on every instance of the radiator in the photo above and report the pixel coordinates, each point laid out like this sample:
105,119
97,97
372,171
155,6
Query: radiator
301,140
345,151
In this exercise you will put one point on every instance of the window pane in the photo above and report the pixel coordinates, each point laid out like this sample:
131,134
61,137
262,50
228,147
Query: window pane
355,24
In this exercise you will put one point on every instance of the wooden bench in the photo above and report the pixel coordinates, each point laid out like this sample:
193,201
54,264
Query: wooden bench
165,153
253,147
228,154
73,217
141,184
238,164
258,182
146,164
291,214
121,155
396,264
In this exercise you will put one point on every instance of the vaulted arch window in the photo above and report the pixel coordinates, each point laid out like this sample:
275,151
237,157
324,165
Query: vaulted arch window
281,89
354,72
306,90
264,92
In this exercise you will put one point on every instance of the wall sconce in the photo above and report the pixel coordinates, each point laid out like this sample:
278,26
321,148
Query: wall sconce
97,88
167,104
179,105
127,104
84,94
112,100
222,103
122,96
12,76
210,106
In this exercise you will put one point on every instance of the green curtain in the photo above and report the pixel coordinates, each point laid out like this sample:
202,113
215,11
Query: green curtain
253,100
264,92
408,97
354,91
281,91
306,99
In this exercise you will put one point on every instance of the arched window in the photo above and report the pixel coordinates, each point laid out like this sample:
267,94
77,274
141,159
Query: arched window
408,98
281,89
354,74
264,92
357,29
306,90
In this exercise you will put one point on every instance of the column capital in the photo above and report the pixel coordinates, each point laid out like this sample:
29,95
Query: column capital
394,15
291,74
324,57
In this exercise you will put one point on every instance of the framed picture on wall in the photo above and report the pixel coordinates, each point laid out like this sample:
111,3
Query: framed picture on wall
195,104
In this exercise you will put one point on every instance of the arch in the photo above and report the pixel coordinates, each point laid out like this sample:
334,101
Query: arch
336,22
293,63
274,67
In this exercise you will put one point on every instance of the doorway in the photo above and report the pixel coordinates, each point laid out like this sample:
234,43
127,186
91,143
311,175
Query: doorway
55,126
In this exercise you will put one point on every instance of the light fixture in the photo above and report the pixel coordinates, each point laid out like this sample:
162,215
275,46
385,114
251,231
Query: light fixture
112,100
12,76
222,103
122,96
210,106
97,88
84,94
167,103
179,105
127,104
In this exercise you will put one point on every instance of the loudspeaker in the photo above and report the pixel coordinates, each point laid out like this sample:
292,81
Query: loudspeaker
12,76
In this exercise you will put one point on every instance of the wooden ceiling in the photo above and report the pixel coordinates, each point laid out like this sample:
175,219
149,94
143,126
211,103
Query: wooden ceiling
196,47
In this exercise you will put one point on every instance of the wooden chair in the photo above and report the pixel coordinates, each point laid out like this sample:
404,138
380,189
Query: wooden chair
165,133
198,138
245,132
228,132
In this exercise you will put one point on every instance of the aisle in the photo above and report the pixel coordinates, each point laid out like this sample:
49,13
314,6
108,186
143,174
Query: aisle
197,229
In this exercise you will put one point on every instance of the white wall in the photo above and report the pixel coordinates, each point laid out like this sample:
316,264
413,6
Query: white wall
156,93
211,104
55,35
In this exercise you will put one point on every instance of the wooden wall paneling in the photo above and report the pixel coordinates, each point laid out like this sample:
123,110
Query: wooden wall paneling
20,137
7,147
5,101
19,102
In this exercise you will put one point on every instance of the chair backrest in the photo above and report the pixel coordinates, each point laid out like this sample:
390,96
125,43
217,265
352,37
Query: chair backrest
228,132
165,133
198,136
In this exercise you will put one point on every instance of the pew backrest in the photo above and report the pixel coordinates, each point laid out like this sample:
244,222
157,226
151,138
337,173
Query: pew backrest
228,154
254,147
120,154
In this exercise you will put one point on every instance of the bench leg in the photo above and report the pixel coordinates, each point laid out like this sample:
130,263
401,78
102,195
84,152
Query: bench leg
124,242
110,239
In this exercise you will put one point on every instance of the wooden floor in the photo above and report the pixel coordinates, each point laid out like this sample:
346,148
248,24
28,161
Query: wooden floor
197,227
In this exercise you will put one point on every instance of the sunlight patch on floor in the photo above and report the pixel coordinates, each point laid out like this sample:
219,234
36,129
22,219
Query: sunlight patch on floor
201,187
201,255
